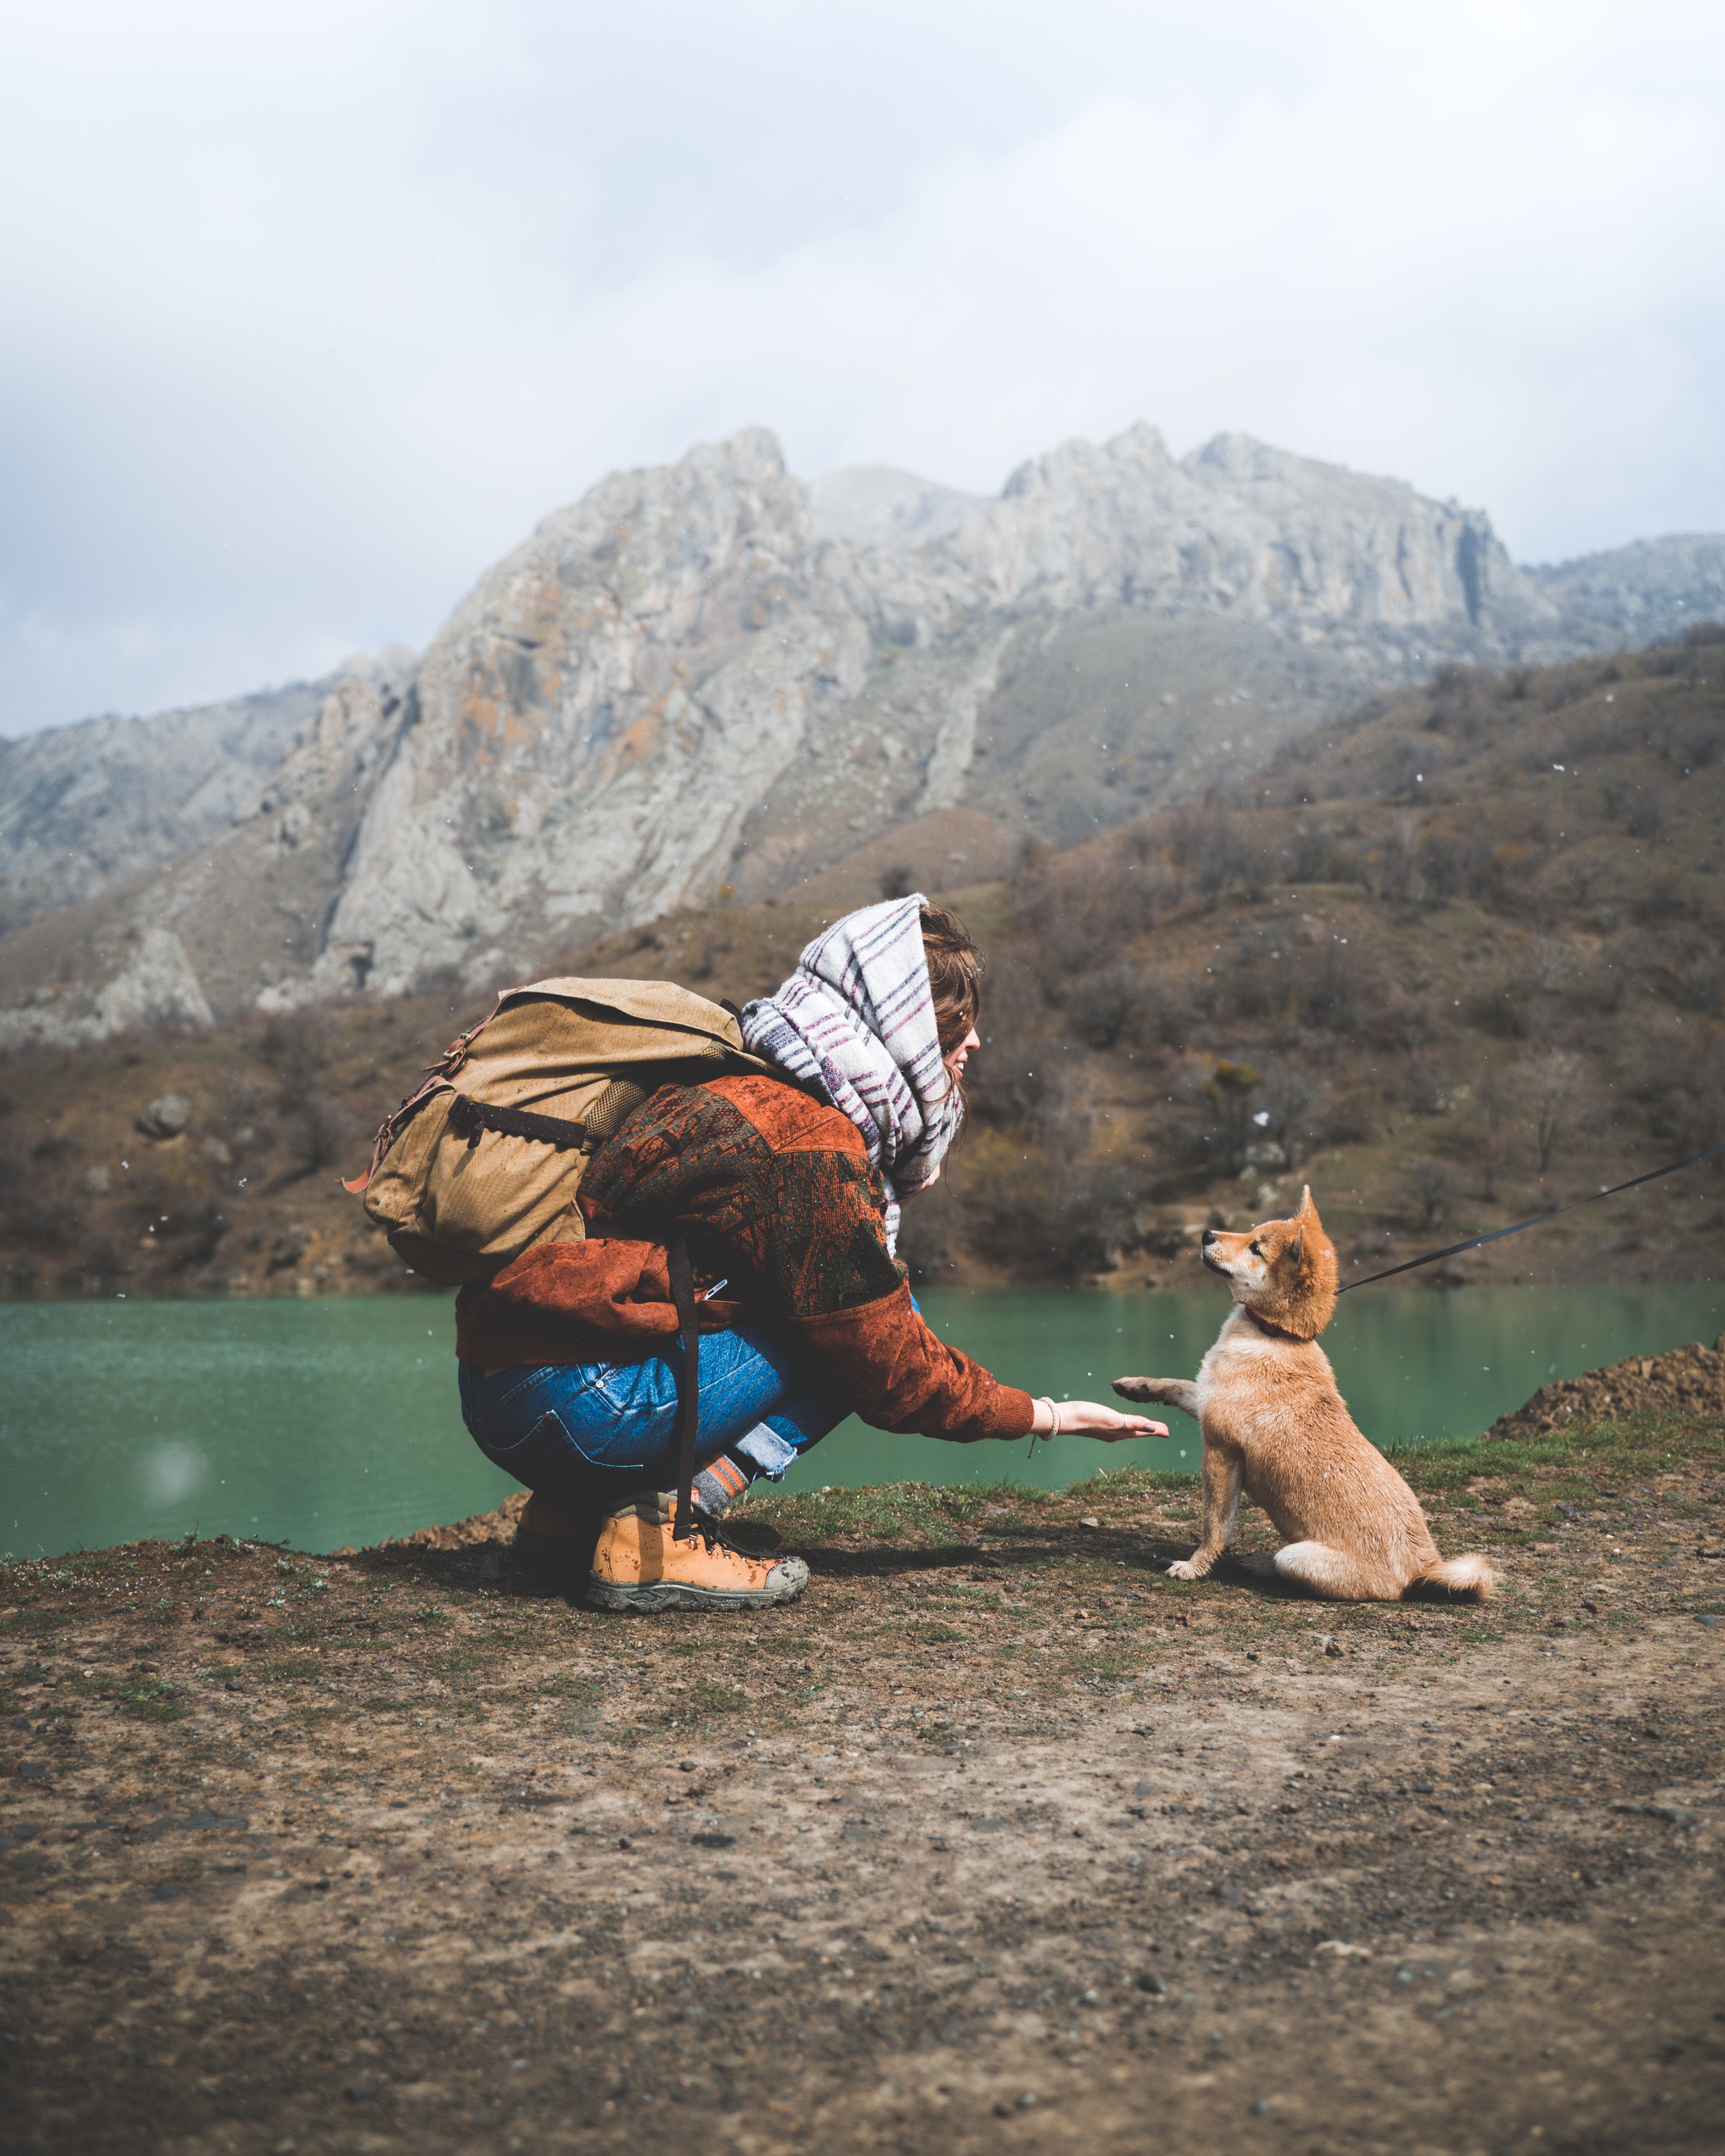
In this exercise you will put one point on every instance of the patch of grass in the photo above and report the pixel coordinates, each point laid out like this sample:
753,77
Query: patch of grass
431,1613
144,1699
1111,1666
712,1699
1593,1457
290,1669
1133,1482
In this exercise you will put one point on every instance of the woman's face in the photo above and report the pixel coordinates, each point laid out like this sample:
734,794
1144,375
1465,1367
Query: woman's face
955,1058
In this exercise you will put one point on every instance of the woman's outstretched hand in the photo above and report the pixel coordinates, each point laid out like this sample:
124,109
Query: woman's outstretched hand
1091,1418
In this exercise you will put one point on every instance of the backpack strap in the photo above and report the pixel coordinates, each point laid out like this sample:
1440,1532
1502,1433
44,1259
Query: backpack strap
471,1119
682,1288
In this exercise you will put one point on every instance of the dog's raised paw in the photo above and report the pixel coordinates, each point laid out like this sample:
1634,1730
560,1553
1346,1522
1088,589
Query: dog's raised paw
1135,1389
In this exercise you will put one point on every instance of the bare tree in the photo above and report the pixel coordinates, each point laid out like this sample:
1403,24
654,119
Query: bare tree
1298,1107
1493,1143
1431,1185
1551,1081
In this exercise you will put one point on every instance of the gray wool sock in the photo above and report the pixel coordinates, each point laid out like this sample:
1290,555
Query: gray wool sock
723,1481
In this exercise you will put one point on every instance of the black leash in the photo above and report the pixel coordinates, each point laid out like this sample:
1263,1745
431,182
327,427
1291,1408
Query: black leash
1431,1257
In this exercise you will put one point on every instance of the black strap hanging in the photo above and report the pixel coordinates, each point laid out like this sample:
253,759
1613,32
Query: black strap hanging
471,1119
682,1288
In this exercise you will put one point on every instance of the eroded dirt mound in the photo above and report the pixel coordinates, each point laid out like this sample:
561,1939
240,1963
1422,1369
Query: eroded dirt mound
1687,1381
498,1526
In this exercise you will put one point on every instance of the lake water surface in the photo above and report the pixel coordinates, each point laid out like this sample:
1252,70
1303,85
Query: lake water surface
325,1423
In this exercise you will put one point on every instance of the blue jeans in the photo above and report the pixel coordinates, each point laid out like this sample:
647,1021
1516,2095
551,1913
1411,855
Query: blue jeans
601,1430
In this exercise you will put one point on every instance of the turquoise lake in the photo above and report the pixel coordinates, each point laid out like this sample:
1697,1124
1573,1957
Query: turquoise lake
326,1422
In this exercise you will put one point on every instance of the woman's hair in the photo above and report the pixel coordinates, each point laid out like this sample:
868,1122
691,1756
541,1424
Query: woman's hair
955,974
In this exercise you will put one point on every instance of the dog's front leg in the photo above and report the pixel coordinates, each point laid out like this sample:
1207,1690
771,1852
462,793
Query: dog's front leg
1224,1472
1179,1392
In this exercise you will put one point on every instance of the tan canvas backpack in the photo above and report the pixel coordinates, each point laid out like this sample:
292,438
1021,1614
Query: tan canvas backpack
484,1160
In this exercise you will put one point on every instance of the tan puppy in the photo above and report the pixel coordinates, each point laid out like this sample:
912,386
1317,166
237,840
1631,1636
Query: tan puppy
1274,1426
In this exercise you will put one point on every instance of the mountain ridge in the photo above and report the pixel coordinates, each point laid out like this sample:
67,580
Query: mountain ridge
709,677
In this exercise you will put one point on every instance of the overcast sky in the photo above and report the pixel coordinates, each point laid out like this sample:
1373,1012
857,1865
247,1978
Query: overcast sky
309,312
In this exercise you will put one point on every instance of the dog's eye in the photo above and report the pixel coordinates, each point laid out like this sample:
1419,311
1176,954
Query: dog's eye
1257,1249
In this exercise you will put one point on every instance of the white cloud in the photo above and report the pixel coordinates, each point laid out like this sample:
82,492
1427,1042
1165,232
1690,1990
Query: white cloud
311,313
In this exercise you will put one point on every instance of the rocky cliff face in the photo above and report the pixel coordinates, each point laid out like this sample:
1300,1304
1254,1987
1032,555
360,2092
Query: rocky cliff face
238,919
703,675
709,676
1641,594
84,808
1242,528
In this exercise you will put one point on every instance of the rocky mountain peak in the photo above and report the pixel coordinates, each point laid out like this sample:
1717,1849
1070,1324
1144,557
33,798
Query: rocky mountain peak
706,676
878,506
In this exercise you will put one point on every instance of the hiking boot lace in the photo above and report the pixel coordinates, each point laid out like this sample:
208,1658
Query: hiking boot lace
708,1529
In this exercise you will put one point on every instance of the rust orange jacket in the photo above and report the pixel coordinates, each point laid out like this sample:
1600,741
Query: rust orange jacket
774,1193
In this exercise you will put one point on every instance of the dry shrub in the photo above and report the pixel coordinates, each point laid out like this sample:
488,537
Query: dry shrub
1681,1088
1432,1187
1686,967
1041,1210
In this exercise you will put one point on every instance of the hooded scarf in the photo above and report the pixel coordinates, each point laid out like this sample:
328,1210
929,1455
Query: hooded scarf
855,1023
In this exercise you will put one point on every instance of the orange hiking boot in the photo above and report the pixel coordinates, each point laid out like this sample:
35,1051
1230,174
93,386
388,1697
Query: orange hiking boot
637,1565
556,1535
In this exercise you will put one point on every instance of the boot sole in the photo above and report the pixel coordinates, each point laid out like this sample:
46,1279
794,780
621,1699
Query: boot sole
682,1595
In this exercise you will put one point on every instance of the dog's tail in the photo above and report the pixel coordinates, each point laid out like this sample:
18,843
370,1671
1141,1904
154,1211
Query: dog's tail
1460,1578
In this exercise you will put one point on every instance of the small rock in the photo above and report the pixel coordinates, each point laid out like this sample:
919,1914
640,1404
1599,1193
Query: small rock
1329,1647
217,1154
1090,1520
1027,2101
1151,1982
166,1118
98,1181
1092,1998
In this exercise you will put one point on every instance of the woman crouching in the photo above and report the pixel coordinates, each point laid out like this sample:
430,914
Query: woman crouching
787,1190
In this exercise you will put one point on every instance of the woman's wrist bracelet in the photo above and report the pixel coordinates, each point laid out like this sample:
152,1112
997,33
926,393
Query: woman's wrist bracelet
1047,1400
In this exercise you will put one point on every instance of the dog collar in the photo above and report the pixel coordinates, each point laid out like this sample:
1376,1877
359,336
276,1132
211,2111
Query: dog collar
1269,1325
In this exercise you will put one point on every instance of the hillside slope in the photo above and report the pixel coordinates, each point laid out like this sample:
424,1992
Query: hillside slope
1453,961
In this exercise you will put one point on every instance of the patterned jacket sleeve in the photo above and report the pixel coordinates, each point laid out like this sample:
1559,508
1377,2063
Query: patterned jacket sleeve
768,1184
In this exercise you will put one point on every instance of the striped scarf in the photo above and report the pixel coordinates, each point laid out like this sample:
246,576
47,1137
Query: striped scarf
855,1023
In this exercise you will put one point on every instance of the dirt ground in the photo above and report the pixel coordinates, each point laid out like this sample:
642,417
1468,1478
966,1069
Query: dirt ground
997,1840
